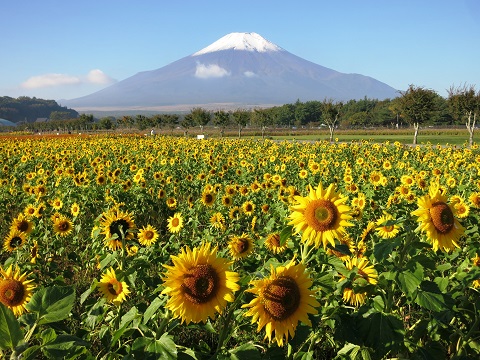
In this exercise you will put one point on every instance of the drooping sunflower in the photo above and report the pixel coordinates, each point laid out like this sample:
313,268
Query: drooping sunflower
116,224
22,223
14,240
386,230
34,255
147,235
240,246
199,284
321,216
281,301
175,223
113,290
15,289
437,220
62,226
272,243
366,272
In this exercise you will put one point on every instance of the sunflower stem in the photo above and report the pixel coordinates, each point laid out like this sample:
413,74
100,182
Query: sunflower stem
163,324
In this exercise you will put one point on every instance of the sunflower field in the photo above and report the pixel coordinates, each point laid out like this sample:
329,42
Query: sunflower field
156,247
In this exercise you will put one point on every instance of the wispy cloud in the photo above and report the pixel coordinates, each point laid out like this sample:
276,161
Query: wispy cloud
94,76
212,70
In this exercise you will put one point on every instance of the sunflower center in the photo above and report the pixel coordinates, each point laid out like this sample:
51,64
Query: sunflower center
15,242
321,214
148,235
200,284
388,228
63,226
114,287
241,246
11,292
175,222
208,198
23,226
442,217
119,227
282,298
275,240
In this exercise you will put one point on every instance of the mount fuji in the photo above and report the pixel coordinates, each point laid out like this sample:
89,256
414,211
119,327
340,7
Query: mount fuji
238,70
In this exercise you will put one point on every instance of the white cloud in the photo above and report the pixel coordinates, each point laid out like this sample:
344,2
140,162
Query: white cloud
207,71
97,76
50,80
94,76
249,74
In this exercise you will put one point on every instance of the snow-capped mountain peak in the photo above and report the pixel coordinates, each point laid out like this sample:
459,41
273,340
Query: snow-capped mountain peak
240,41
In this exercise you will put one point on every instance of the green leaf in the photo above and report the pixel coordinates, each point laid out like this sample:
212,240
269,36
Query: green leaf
152,309
10,331
65,346
52,304
383,249
409,281
163,348
285,234
430,297
382,332
245,352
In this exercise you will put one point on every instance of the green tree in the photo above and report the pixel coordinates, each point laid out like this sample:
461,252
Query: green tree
331,115
240,118
201,117
171,121
187,123
417,105
464,104
262,118
221,118
106,123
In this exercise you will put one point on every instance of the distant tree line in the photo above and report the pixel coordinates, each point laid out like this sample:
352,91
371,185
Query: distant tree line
26,109
415,107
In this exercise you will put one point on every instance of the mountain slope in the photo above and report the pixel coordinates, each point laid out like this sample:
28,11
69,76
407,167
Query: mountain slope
240,68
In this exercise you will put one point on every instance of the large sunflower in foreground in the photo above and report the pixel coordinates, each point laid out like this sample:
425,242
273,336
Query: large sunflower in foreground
281,301
198,284
15,289
116,224
321,216
437,220
366,272
113,290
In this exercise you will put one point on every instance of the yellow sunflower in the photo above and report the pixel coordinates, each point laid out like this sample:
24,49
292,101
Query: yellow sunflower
113,290
321,216
147,235
386,231
272,243
281,301
15,289
14,240
34,255
175,223
248,208
75,209
116,224
208,198
198,284
217,221
22,223
437,220
364,271
240,246
62,226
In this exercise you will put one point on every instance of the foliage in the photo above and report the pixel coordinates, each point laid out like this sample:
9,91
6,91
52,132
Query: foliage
29,109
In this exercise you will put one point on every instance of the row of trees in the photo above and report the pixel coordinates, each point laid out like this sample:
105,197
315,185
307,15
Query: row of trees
417,106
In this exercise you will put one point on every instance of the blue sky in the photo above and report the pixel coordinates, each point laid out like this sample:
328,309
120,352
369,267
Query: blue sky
60,49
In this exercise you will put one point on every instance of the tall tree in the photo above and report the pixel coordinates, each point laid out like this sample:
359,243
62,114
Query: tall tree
241,118
221,118
201,117
331,115
417,105
262,118
464,103
187,123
